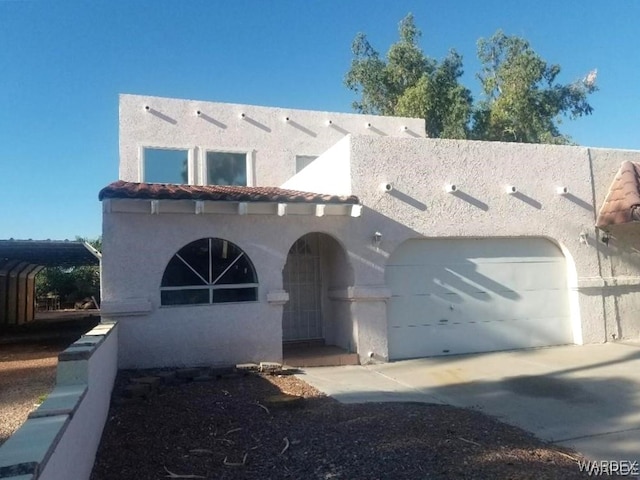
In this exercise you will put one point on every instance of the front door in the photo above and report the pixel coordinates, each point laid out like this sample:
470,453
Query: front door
302,315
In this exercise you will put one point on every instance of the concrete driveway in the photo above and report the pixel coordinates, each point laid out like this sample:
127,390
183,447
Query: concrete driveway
584,397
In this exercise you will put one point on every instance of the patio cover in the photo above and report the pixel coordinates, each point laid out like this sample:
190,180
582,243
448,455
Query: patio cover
49,253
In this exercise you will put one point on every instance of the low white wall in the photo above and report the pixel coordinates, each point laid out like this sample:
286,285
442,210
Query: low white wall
60,439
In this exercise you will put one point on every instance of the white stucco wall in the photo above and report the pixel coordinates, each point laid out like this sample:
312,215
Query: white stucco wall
604,280
133,264
619,259
273,143
418,205
329,174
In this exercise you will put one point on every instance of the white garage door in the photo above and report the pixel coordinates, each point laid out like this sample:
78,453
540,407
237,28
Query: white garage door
453,296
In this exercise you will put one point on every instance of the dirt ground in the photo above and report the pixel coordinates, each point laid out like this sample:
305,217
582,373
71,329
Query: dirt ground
231,427
27,372
28,362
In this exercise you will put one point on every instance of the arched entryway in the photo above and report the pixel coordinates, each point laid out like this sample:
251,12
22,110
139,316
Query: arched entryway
317,265
302,278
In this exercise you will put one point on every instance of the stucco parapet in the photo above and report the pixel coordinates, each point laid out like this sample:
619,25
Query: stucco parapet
277,297
361,294
128,307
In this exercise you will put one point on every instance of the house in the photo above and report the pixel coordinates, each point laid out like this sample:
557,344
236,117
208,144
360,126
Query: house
235,228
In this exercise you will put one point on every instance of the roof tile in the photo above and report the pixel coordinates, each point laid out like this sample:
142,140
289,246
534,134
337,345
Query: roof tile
622,203
165,191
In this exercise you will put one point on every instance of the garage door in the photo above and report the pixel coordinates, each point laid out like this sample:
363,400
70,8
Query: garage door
453,296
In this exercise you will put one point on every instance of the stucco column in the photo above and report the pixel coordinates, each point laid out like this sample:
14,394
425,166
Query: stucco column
368,308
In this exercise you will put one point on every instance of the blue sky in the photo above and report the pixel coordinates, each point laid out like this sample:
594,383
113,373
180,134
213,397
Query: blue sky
63,64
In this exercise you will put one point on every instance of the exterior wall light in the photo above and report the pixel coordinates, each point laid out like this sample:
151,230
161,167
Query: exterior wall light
510,189
386,187
242,116
147,108
583,238
198,113
286,119
404,128
376,240
367,125
328,123
562,190
451,188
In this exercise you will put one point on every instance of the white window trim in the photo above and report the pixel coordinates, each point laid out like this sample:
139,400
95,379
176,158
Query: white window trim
251,162
191,156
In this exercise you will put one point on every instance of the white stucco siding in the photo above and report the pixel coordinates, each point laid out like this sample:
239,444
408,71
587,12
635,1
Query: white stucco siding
136,250
603,281
418,206
329,174
420,169
273,142
619,285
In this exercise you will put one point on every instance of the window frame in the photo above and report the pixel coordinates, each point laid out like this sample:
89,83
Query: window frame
249,158
191,170
300,156
210,284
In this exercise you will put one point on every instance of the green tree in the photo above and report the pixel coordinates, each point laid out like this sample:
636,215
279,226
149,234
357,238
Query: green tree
73,283
408,83
523,102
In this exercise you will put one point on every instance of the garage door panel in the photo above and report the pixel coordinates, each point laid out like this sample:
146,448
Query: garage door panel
498,277
457,296
475,337
541,303
431,309
427,311
493,250
510,275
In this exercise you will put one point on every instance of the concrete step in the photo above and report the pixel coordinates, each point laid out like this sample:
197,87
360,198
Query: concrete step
319,356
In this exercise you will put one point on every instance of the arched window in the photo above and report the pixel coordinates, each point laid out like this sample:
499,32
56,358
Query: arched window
209,270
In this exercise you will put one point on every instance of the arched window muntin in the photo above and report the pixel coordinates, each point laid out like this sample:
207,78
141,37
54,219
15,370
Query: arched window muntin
209,271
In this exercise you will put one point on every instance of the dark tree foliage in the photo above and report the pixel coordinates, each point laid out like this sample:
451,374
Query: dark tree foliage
71,284
523,102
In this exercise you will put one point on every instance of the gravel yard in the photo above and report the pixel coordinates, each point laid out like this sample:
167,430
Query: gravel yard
232,428
28,362
27,373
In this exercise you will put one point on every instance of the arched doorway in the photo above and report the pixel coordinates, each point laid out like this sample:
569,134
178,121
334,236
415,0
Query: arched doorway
302,278
316,266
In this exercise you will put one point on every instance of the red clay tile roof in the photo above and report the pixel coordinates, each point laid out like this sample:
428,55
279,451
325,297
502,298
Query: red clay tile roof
164,191
622,204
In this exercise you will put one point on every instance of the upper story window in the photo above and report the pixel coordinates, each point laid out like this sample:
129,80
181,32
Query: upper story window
226,168
303,161
165,165
207,271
